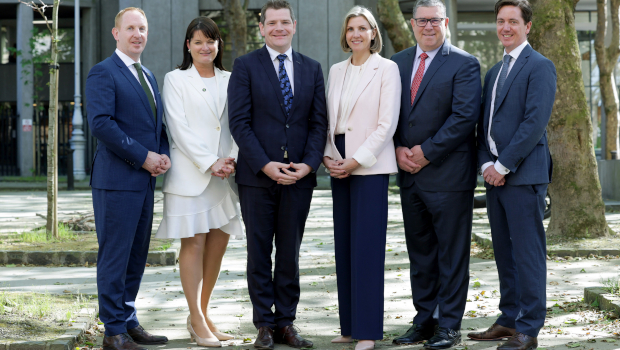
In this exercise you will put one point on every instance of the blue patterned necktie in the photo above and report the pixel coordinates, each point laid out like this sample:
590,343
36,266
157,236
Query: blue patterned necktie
285,85
502,77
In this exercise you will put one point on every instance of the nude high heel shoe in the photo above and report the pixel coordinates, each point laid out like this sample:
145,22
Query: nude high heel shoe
365,345
201,341
223,336
343,339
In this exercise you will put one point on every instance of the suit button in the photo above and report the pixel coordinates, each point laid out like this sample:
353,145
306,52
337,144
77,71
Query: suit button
218,128
410,125
350,129
287,126
282,148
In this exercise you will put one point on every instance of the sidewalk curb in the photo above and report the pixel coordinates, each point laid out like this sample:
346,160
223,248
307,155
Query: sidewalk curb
485,240
44,258
605,300
67,341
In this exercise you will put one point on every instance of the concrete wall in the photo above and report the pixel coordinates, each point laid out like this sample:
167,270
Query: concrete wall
609,174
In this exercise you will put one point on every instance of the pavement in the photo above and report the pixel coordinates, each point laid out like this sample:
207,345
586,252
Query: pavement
163,309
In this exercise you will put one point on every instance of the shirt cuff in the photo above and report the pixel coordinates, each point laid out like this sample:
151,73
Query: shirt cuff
365,157
500,168
484,167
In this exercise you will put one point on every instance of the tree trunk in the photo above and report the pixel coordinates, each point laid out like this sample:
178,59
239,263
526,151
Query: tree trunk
577,209
395,24
606,58
234,14
52,140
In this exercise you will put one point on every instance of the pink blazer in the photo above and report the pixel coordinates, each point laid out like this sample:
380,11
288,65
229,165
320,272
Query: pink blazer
375,107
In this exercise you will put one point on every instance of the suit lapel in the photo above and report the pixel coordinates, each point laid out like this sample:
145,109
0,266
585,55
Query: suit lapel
437,62
265,60
135,83
367,75
158,104
298,73
222,84
521,61
194,79
489,96
406,79
337,91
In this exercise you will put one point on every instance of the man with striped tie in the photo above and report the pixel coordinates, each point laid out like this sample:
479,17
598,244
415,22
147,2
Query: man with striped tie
436,154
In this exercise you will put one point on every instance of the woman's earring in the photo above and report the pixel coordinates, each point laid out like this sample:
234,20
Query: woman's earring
188,50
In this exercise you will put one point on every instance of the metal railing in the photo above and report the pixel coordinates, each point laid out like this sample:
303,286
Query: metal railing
8,142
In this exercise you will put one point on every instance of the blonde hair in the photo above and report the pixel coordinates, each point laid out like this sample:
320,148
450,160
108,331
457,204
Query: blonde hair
359,11
119,16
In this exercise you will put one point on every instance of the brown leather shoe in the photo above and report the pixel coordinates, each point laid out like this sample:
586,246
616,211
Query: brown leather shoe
520,341
289,335
140,336
495,332
120,342
264,340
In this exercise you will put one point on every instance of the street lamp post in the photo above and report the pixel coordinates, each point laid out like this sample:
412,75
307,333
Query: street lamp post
78,142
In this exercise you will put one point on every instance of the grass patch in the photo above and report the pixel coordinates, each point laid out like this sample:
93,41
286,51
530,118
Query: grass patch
612,285
40,235
39,317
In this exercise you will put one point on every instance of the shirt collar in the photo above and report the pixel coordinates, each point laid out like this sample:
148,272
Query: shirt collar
431,54
274,54
517,51
126,59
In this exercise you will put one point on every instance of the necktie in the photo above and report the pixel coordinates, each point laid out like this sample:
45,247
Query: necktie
285,85
146,89
417,79
502,78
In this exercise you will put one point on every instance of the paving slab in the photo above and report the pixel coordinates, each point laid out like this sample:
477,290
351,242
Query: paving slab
163,308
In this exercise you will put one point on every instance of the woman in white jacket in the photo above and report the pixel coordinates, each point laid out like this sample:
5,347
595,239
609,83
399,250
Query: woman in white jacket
201,206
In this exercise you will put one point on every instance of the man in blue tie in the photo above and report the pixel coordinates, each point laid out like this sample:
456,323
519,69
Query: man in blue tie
277,116
514,158
125,115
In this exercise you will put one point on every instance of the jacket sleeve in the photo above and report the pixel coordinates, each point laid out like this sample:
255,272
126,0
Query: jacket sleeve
100,94
389,109
465,113
481,142
317,124
329,151
538,106
240,118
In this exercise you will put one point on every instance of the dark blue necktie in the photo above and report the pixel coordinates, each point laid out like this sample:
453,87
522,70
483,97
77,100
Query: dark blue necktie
285,85
502,77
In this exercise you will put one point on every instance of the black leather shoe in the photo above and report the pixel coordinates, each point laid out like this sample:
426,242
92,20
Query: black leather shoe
289,335
264,340
415,335
120,342
140,336
444,338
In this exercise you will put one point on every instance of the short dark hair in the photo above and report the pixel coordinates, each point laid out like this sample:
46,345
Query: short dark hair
210,30
276,5
523,5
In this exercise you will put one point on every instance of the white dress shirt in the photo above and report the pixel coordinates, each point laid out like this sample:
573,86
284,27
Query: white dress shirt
514,55
427,62
288,64
129,63
351,82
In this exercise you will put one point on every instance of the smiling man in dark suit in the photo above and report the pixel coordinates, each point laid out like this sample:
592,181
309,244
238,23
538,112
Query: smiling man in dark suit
436,154
125,115
516,164
277,116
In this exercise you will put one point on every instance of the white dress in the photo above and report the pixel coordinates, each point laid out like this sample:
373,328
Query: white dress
216,207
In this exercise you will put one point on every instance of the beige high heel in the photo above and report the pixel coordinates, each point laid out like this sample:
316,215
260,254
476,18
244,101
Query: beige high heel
201,341
365,345
223,336
343,339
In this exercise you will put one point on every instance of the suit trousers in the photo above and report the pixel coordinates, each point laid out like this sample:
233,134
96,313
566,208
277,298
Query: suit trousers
278,212
438,234
516,216
124,220
360,227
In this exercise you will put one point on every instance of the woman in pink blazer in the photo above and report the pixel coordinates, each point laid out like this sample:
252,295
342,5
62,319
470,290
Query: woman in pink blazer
363,103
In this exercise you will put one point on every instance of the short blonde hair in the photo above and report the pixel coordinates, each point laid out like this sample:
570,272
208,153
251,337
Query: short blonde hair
119,16
377,43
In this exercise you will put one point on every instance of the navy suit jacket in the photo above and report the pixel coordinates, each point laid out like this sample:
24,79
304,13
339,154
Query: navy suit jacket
260,126
120,117
442,119
522,111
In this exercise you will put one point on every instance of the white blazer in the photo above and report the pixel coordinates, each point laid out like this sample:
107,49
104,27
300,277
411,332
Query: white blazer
375,107
193,119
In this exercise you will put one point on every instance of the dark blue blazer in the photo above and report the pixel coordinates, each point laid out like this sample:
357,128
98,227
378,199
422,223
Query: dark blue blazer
522,111
259,124
442,119
120,117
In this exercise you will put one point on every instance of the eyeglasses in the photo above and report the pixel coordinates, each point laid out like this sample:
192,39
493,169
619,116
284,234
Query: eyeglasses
422,22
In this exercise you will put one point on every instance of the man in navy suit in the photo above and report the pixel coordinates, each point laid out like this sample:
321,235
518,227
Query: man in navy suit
276,108
125,115
436,154
514,158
